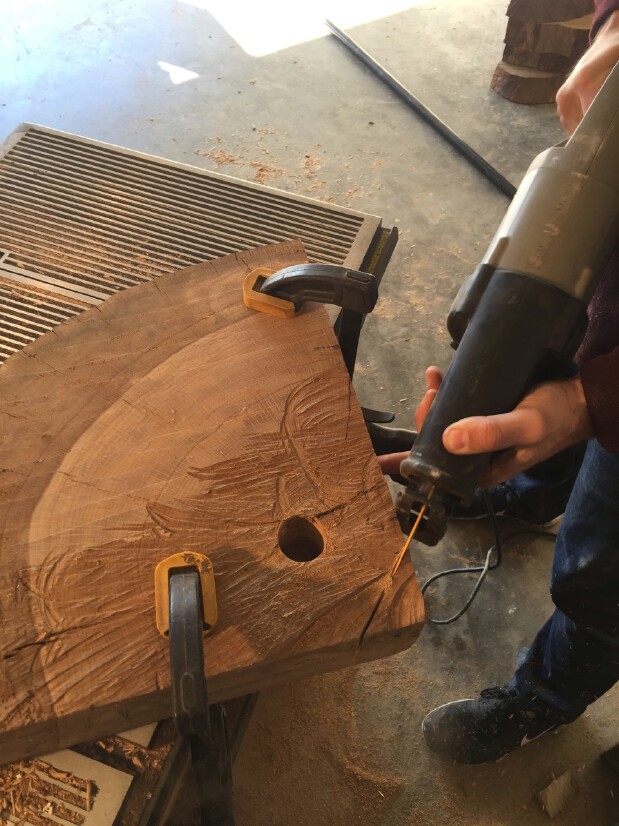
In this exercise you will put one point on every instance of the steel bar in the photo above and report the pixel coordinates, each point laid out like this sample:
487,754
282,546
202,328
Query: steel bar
473,157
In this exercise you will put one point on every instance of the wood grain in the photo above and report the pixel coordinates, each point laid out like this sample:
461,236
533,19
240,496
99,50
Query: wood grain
172,418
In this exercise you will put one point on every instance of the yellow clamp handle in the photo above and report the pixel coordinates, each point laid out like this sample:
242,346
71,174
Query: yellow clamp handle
163,571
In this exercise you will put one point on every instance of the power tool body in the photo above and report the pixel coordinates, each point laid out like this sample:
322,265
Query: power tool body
518,320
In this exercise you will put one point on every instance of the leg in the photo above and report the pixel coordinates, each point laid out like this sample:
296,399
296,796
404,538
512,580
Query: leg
574,658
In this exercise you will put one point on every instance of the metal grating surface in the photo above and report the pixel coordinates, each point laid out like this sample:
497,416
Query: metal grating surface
81,220
26,315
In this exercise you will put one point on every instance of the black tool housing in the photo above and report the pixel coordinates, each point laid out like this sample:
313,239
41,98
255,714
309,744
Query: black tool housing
523,331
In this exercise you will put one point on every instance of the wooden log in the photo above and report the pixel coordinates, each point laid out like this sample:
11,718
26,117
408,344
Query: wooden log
548,11
554,63
554,798
172,418
552,47
523,85
62,788
610,758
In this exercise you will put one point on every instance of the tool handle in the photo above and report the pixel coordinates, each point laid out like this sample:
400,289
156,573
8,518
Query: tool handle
523,332
389,439
325,283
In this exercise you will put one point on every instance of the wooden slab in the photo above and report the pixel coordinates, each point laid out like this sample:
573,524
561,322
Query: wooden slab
172,418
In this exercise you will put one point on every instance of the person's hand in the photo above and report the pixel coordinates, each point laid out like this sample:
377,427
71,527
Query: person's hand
390,462
434,377
578,91
550,418
547,420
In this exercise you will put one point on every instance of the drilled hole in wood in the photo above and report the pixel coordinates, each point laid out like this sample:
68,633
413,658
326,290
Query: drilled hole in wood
300,539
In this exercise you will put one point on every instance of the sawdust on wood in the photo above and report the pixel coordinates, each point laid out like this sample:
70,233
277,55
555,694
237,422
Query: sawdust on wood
145,763
27,791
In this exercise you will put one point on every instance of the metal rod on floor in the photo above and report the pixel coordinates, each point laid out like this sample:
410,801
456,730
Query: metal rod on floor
473,157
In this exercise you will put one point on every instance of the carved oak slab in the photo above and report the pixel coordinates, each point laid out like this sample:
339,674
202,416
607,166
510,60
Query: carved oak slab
172,418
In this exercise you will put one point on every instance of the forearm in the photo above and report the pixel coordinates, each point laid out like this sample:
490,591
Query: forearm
588,75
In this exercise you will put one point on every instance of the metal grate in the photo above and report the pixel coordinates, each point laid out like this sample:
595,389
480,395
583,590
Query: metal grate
81,220
26,315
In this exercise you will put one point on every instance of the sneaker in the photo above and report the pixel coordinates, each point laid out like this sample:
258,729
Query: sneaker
478,508
506,502
537,497
486,729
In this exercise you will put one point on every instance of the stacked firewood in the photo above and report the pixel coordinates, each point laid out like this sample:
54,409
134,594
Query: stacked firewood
543,41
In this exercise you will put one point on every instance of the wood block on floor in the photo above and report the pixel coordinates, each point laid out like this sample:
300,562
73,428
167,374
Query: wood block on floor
551,47
548,11
63,788
544,62
172,418
523,85
610,758
557,794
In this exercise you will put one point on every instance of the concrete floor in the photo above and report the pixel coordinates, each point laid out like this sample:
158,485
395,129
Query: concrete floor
345,748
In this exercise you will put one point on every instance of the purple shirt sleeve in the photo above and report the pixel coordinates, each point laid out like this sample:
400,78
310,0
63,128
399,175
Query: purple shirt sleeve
603,10
599,353
598,357
600,381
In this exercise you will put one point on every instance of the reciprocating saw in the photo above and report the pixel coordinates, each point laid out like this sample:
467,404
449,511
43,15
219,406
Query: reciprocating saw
518,320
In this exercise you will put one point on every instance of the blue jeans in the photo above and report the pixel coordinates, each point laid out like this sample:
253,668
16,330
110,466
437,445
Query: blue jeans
574,658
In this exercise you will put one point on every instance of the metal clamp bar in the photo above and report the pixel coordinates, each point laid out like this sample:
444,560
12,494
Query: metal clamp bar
187,610
187,656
